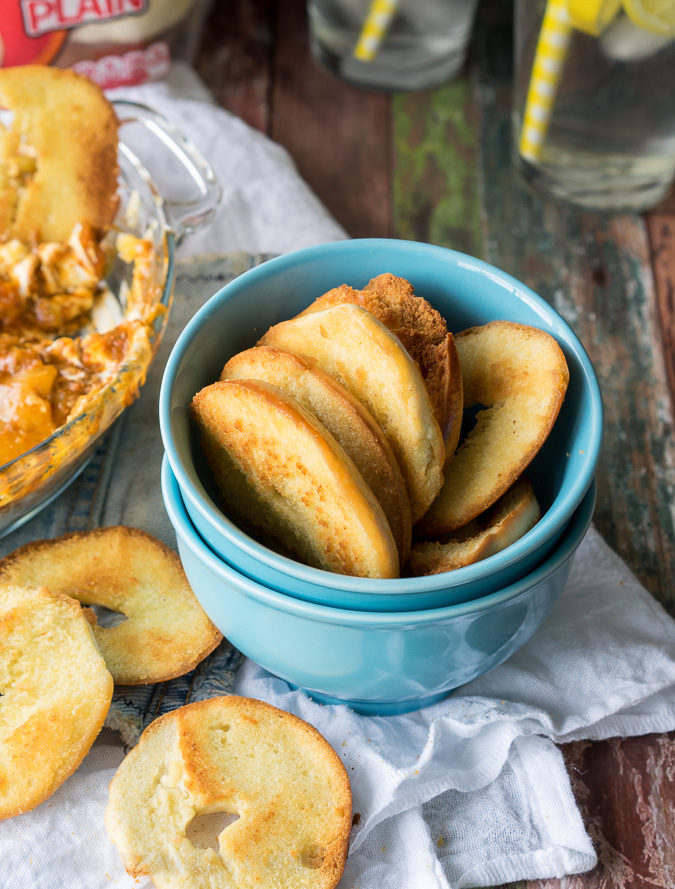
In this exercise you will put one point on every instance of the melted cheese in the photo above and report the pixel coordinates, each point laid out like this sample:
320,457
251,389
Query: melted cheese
52,289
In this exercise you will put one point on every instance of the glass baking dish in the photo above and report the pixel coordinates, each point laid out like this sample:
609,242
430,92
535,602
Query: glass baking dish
32,480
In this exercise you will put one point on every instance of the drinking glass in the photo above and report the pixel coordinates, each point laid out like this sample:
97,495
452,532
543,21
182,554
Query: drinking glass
391,44
594,114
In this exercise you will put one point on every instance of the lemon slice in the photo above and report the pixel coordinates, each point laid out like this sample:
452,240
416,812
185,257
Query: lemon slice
657,16
593,16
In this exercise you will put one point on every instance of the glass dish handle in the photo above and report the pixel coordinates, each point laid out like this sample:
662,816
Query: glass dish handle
182,217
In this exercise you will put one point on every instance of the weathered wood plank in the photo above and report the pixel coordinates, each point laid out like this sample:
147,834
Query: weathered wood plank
435,184
596,271
339,136
602,282
667,205
234,58
661,229
625,790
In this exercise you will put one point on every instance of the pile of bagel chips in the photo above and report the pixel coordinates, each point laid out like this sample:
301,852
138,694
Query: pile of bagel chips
337,440
229,758
58,665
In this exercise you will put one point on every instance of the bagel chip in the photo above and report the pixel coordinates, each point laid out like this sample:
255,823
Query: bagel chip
55,694
345,418
424,334
281,473
166,633
506,521
350,344
519,376
58,158
272,775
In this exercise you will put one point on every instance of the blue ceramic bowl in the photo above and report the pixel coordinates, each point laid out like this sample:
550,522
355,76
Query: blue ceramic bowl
375,662
467,292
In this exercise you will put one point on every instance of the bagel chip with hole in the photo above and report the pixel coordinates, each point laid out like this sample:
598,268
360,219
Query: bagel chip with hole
518,376
166,632
55,694
506,521
271,771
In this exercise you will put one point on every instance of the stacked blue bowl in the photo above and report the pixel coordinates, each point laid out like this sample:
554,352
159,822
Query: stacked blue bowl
378,645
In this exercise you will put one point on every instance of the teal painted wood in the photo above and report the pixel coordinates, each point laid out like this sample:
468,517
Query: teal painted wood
435,173
596,270
661,229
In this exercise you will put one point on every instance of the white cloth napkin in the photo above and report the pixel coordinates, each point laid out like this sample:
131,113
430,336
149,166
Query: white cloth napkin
479,794
469,792
267,207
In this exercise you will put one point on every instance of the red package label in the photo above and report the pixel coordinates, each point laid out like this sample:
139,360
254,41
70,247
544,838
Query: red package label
42,16
129,69
16,47
114,42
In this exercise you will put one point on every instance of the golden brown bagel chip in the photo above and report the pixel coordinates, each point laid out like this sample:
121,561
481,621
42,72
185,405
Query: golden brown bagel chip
283,475
424,334
238,757
520,375
166,633
502,524
344,417
56,692
58,159
350,344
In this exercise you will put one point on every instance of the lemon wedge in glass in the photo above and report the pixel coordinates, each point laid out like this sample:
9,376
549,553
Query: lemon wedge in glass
593,16
657,16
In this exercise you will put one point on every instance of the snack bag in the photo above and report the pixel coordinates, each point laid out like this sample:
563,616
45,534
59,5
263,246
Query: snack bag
113,42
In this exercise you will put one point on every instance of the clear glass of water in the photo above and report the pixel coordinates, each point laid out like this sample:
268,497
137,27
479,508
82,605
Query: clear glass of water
605,119
423,44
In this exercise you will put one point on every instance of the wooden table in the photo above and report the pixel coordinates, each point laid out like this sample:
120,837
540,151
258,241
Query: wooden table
435,166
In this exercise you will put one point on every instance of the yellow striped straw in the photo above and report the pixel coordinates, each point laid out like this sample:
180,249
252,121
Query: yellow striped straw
374,28
549,60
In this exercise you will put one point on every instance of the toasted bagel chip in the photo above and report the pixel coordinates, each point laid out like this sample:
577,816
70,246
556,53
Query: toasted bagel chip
344,417
519,374
166,633
283,475
350,344
238,757
55,690
58,159
423,332
506,521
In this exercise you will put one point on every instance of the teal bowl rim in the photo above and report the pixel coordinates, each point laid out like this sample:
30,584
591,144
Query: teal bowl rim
547,526
179,518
